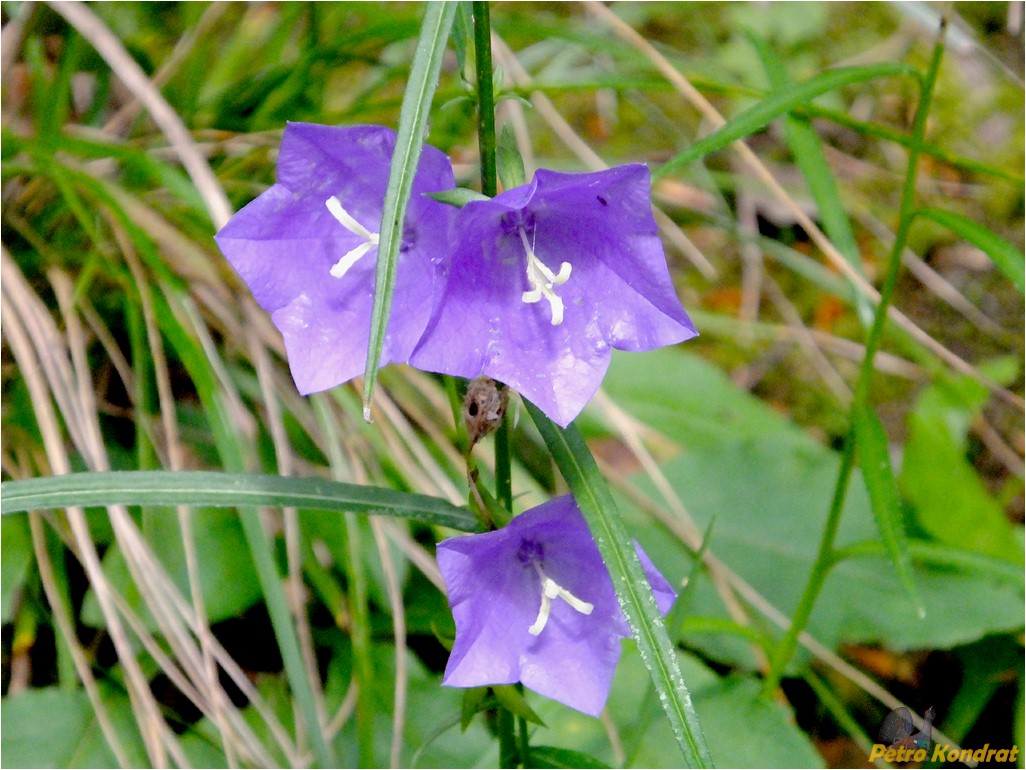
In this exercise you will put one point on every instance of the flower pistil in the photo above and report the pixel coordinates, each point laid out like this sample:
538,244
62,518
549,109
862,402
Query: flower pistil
543,280
345,219
551,590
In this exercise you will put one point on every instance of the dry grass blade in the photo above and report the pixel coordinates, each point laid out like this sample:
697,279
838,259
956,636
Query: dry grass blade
125,67
753,162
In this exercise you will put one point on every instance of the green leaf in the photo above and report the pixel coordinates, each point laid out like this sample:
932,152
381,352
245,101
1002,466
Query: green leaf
226,575
633,592
808,155
420,88
14,567
689,400
951,502
458,196
742,729
875,461
212,489
514,701
769,500
778,103
508,160
552,757
49,727
1008,258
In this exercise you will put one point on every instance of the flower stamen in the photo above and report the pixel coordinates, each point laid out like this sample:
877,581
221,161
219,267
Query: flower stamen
552,590
542,281
345,219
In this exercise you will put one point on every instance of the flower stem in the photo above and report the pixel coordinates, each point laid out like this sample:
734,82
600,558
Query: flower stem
507,740
485,97
825,559
508,748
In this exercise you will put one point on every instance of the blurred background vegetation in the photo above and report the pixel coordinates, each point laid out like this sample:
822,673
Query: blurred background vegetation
130,344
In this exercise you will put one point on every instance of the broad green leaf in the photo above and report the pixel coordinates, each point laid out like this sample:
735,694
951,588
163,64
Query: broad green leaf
770,501
226,575
951,502
633,592
1008,258
413,115
691,401
742,729
14,567
875,460
49,727
212,489
778,103
552,757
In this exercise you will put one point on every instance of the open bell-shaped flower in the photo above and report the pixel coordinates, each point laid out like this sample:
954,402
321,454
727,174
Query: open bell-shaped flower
307,249
545,278
534,603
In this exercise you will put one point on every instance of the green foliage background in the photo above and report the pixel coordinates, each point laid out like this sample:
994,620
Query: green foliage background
130,345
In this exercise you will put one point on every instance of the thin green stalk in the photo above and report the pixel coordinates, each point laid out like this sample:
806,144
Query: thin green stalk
485,97
489,186
825,557
524,742
507,740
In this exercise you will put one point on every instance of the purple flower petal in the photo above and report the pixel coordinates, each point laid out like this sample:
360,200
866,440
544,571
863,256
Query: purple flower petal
495,584
618,292
285,243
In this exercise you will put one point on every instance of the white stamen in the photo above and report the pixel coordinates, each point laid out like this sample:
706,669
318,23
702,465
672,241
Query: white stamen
542,281
551,590
345,219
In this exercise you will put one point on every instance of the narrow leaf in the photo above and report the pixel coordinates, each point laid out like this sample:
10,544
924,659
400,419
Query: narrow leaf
633,592
808,155
871,446
420,89
507,157
212,489
755,118
457,196
1009,260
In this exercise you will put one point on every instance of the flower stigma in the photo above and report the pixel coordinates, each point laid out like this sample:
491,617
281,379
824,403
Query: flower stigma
552,590
543,280
345,219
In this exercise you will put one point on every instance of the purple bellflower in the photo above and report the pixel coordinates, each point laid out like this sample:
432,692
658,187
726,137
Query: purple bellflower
307,249
533,602
545,278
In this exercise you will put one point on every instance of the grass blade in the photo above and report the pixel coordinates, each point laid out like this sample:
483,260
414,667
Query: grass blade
1009,260
579,469
871,449
424,69
776,104
213,489
808,155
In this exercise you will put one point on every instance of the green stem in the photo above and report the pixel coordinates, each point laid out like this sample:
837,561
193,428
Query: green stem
507,740
826,558
485,97
489,186
525,743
